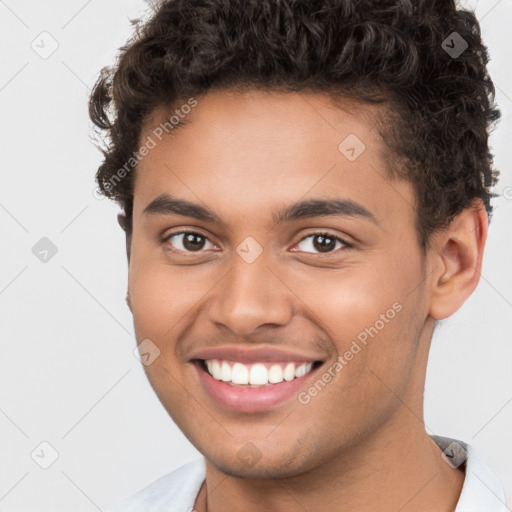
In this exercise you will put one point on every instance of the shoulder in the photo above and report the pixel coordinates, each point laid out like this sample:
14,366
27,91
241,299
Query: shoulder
174,491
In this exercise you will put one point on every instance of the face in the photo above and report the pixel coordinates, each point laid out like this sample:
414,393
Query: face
277,269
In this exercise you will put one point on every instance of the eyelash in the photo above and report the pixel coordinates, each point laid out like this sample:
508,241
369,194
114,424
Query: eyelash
345,244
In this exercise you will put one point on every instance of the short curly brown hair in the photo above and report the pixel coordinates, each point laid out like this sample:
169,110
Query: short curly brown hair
423,59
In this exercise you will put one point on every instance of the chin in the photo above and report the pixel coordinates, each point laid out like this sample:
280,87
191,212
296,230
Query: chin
262,469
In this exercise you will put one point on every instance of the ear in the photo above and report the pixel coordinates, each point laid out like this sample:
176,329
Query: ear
457,253
121,220
128,301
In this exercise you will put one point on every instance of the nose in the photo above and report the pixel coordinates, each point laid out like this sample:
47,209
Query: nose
250,296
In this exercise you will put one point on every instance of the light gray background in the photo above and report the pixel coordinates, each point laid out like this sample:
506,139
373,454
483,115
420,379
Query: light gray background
67,372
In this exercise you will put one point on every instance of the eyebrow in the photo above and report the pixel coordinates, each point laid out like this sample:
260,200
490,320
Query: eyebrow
166,204
323,207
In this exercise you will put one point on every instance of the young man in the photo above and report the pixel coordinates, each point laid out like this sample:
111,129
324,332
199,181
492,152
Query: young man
305,189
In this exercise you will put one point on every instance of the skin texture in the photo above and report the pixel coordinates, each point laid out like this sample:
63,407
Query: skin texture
361,441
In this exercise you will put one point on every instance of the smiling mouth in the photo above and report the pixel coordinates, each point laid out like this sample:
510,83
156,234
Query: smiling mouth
256,375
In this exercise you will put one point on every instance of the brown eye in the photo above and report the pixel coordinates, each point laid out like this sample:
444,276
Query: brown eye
321,243
324,243
187,241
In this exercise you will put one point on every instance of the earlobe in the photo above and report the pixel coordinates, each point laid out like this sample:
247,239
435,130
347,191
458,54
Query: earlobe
458,252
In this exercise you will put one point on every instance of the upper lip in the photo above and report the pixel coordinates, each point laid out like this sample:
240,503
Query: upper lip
254,355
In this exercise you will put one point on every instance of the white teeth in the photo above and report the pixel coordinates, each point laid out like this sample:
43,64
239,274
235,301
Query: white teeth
275,374
216,372
300,370
225,371
289,372
256,374
303,369
239,374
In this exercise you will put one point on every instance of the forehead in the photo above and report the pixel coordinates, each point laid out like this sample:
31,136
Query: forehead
268,117
245,150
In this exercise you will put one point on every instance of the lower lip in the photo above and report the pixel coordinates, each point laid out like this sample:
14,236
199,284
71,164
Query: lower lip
250,400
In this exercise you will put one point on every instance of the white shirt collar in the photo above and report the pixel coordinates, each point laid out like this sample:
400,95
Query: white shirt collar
482,490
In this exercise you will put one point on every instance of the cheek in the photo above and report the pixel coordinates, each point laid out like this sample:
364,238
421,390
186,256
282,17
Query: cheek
361,295
372,318
163,295
375,357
